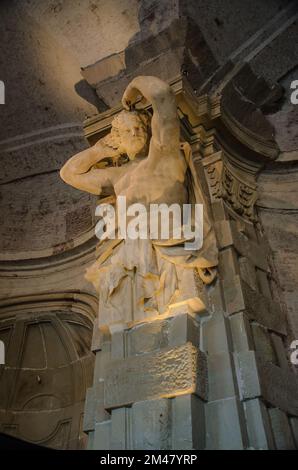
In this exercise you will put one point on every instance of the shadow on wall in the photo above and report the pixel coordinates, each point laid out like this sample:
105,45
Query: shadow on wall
43,384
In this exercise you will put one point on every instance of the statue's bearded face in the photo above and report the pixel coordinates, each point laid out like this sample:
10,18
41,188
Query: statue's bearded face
129,132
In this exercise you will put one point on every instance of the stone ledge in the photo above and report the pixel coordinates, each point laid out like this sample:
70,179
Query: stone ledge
168,373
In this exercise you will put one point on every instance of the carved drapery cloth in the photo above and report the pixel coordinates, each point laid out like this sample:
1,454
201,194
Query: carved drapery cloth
153,274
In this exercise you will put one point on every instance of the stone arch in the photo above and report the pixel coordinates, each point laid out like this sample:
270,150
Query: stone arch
48,367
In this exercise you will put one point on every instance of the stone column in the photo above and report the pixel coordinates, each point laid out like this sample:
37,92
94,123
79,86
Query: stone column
149,387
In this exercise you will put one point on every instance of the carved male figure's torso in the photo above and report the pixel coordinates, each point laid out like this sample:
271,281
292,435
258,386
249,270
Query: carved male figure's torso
146,183
138,278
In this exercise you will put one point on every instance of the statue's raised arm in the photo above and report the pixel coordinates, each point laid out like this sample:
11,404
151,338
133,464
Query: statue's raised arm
80,171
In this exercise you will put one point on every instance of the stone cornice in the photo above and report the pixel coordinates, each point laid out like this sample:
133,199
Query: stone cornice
83,303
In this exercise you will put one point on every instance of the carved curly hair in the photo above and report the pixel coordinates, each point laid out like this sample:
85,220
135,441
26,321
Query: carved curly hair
124,120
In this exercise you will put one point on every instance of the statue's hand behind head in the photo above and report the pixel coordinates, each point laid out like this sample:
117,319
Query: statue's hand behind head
130,97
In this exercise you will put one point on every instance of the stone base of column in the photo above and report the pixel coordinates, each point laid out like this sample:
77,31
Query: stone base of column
150,385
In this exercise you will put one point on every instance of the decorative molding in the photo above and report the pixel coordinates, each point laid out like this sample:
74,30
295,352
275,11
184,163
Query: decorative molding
213,167
266,149
83,303
40,136
238,193
193,110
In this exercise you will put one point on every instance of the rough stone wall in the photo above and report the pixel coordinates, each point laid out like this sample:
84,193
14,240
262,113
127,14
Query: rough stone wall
278,198
91,29
41,125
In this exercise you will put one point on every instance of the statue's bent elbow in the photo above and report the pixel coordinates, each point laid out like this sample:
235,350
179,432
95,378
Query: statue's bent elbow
65,174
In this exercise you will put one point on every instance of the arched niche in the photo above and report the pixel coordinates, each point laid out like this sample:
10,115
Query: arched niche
48,367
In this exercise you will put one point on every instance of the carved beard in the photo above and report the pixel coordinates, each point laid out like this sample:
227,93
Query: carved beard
115,140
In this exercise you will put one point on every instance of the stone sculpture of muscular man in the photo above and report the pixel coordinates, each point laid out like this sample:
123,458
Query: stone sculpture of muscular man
140,278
